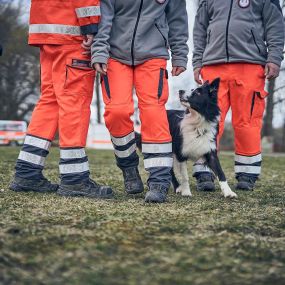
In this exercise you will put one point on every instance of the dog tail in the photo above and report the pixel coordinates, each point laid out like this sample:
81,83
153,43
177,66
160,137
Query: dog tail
138,141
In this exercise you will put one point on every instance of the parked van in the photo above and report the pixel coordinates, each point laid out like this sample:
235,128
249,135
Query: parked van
12,132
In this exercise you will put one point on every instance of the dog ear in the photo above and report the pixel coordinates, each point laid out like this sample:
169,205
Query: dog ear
214,86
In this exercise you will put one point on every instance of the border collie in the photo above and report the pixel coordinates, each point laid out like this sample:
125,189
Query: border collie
194,136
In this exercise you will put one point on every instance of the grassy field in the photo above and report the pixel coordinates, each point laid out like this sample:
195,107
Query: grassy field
47,239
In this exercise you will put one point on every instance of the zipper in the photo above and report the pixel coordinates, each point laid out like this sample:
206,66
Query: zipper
165,40
135,32
255,41
209,36
252,103
227,31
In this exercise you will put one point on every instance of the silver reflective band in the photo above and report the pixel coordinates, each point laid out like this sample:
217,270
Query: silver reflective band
157,148
248,169
248,159
158,162
32,158
72,153
200,168
88,11
54,29
124,140
125,153
73,168
37,142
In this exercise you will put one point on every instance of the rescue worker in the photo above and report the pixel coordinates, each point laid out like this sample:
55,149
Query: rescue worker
64,31
131,51
240,41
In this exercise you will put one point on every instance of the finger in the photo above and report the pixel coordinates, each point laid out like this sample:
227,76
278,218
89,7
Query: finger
104,67
86,47
86,52
173,72
266,70
100,69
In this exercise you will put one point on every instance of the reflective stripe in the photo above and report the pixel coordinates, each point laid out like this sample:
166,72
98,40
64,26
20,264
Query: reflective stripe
158,162
200,168
72,153
125,153
32,158
248,159
88,11
73,168
37,142
157,148
124,140
248,169
54,29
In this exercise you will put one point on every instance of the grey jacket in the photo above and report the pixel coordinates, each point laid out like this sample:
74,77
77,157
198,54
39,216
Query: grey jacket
134,31
249,31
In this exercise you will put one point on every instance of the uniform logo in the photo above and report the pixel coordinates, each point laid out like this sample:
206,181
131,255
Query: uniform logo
244,3
161,1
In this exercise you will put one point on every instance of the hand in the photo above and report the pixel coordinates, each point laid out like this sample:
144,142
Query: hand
177,70
272,70
87,43
101,68
197,72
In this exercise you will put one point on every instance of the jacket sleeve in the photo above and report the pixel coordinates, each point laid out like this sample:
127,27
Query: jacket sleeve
200,33
274,30
101,47
88,14
177,18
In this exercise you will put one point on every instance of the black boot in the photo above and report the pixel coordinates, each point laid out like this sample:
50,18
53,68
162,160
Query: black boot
23,185
132,180
205,182
245,182
157,194
87,188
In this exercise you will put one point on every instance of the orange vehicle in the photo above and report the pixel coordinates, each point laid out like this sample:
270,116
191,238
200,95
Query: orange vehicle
12,132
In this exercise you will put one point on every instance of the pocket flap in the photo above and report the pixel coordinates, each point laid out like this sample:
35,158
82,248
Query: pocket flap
261,94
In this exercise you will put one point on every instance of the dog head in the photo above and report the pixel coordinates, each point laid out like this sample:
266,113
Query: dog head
203,100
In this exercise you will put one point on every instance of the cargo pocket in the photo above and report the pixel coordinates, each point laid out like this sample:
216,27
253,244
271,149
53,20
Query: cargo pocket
106,89
79,77
259,44
164,34
162,92
257,105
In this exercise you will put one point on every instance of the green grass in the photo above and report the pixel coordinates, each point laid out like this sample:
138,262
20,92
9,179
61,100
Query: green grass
206,239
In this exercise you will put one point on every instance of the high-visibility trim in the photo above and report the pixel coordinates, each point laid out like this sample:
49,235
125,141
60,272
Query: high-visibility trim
32,158
247,169
200,168
73,168
158,162
37,142
125,153
88,11
72,153
157,148
54,29
124,140
248,159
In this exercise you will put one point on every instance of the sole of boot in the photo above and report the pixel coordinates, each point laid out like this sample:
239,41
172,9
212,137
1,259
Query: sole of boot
243,187
206,187
134,192
67,193
155,200
19,188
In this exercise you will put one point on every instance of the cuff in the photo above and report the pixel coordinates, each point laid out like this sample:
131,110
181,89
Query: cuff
99,59
89,29
274,60
179,62
197,64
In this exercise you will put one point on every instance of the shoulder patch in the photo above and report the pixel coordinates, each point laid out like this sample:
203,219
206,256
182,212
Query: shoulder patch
244,3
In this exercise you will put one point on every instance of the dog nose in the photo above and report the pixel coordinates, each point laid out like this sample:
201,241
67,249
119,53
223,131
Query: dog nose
181,93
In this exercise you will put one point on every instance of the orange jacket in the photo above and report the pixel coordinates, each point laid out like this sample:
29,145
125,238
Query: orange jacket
62,22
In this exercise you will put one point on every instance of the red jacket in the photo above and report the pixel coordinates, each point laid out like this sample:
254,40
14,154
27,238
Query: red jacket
62,21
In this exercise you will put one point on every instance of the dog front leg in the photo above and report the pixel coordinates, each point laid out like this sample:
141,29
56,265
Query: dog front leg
214,163
180,170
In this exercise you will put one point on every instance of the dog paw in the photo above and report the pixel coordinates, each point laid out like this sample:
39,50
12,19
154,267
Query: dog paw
231,195
184,191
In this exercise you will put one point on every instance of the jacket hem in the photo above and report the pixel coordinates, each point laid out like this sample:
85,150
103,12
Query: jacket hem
233,60
138,62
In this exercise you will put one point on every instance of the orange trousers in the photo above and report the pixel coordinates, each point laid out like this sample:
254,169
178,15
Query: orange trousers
150,81
242,90
66,93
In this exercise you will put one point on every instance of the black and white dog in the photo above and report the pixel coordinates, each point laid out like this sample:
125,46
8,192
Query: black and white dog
194,136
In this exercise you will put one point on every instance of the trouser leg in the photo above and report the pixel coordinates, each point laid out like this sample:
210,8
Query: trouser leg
117,88
152,90
43,124
248,104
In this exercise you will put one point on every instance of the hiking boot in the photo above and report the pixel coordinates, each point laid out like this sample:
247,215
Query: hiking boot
245,182
205,182
24,185
132,180
157,194
87,188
